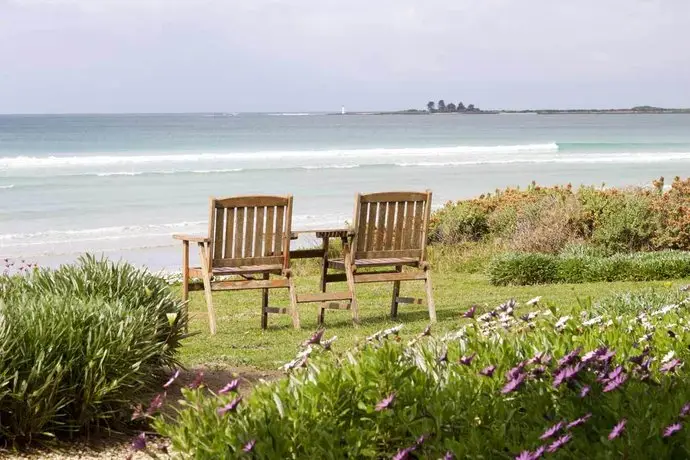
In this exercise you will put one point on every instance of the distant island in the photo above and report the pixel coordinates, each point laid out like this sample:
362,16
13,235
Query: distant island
451,108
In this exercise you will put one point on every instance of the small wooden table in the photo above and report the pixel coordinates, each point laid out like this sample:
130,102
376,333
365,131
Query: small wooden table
328,300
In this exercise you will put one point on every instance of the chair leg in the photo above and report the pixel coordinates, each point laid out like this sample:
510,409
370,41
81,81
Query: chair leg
264,305
206,274
396,294
430,296
349,274
293,303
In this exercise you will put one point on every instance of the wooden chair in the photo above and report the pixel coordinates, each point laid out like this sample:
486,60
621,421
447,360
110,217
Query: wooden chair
247,236
390,230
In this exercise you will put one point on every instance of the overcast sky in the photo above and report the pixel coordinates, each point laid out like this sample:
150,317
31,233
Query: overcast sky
300,55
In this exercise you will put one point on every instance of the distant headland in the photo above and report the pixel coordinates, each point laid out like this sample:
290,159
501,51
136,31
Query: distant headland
441,107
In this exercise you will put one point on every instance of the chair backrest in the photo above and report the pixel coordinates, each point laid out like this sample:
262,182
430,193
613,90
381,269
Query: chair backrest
250,230
391,224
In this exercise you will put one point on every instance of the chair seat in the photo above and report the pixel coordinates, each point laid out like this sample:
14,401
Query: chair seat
384,262
244,270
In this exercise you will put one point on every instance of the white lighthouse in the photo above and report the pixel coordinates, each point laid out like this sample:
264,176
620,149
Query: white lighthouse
342,110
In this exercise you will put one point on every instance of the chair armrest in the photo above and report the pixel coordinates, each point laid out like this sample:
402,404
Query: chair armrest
192,238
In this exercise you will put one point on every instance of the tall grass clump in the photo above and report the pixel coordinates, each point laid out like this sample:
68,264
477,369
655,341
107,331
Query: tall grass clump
505,385
581,267
80,344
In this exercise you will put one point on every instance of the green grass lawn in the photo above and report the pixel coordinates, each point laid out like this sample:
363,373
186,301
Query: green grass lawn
240,341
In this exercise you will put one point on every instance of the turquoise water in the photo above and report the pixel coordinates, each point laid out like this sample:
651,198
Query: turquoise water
122,184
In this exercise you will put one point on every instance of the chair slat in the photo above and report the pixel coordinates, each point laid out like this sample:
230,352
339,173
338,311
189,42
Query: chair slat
361,236
249,233
218,234
270,230
259,234
418,220
409,225
371,226
229,231
239,234
380,226
390,226
399,222
278,240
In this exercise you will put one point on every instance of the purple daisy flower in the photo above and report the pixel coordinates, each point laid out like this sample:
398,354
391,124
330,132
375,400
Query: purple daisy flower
538,371
615,383
615,373
470,313
524,455
139,442
249,446
156,403
617,429
449,456
315,339
198,381
403,454
516,371
537,454
172,379
558,443
584,391
444,356
569,358
551,432
671,365
467,360
579,421
229,407
672,429
607,356
685,410
385,403
539,358
231,386
138,412
513,384
488,371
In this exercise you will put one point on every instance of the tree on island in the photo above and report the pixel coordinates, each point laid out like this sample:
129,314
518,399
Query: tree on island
431,106
441,106
451,107
470,108
461,107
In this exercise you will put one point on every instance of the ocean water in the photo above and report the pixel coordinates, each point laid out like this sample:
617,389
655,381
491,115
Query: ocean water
122,184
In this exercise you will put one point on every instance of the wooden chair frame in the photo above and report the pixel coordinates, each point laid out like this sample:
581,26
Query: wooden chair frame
390,231
247,236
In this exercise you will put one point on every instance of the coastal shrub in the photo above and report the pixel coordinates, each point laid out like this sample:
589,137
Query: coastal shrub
533,268
463,222
563,383
523,268
548,219
80,344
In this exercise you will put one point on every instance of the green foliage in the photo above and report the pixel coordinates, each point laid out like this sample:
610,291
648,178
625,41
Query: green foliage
523,268
464,222
79,344
334,406
534,268
548,219
627,224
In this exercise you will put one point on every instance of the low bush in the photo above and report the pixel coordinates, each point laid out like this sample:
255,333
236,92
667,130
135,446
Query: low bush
503,386
534,268
547,219
80,344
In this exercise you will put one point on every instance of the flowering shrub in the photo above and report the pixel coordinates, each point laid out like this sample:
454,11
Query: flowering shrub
79,344
533,268
516,382
546,219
